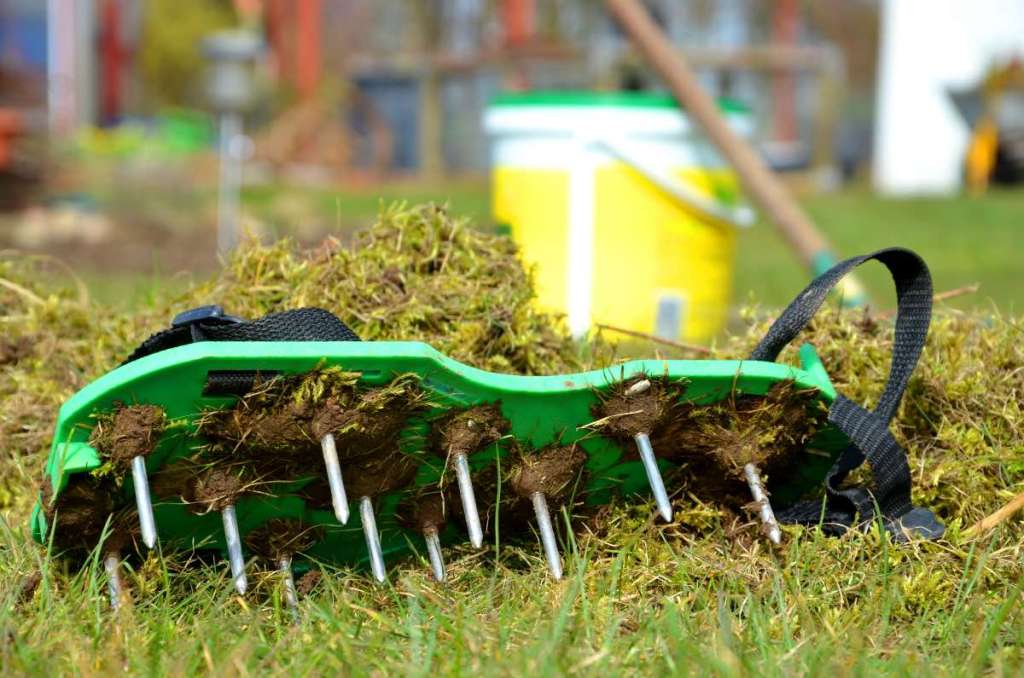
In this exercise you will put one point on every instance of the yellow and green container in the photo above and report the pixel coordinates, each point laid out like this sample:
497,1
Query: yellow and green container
626,212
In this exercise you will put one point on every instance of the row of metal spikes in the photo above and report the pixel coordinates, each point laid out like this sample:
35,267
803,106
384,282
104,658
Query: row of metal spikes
339,501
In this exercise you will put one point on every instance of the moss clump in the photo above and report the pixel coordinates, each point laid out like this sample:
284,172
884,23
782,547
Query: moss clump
419,275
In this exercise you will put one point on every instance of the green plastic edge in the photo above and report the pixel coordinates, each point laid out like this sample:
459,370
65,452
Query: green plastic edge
604,99
524,399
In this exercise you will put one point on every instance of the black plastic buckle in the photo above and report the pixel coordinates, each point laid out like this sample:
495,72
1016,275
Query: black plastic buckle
917,523
195,318
212,314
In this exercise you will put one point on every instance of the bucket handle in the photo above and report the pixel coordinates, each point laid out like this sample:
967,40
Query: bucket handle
740,216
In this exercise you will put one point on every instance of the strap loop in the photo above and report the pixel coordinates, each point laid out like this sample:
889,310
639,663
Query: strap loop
868,431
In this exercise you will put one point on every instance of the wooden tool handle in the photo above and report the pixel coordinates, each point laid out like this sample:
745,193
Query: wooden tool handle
762,186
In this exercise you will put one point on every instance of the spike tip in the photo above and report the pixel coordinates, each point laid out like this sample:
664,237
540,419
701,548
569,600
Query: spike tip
547,534
468,496
643,444
372,538
234,542
764,505
338,497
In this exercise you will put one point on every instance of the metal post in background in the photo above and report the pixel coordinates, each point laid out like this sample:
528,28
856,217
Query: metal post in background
230,90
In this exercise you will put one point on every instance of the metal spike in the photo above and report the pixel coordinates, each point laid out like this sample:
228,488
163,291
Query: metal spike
115,586
547,534
764,505
372,538
143,501
234,541
284,564
338,497
434,552
476,533
643,443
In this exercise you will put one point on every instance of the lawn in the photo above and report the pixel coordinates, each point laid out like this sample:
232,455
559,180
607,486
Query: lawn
705,594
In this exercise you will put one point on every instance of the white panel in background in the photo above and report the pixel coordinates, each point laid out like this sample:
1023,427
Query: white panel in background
926,49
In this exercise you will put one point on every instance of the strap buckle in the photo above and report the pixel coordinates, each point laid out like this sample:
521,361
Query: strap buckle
211,314
195,318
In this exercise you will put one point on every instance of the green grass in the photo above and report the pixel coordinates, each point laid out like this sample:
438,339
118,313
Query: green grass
641,598
965,240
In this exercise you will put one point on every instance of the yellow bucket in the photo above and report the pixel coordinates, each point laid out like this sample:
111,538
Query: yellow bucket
626,213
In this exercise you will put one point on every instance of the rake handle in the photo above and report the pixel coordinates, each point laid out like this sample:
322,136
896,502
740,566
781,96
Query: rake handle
762,186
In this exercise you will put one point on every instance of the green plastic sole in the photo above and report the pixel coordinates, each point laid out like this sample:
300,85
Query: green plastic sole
541,410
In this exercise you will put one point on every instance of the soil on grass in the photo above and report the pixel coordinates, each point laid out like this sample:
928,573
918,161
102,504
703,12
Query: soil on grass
13,350
308,582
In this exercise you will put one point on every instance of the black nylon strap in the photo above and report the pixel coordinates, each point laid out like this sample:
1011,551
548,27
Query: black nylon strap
913,315
301,324
868,431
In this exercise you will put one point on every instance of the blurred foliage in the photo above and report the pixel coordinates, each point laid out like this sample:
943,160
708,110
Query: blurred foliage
170,55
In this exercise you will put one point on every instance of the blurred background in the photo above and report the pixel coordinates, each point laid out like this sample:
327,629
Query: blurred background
125,127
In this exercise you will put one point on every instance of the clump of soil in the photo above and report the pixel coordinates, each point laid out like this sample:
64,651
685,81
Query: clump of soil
218,488
80,511
281,424
279,538
638,405
130,431
426,509
281,432
467,431
176,480
308,582
124,532
716,441
375,420
13,350
551,472
28,587
373,476
275,419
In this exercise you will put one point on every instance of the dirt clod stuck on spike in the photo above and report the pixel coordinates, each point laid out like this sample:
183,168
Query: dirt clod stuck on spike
131,431
468,431
551,471
714,442
425,509
80,512
217,488
627,411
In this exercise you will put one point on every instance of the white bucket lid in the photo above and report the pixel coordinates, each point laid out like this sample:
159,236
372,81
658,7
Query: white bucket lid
574,112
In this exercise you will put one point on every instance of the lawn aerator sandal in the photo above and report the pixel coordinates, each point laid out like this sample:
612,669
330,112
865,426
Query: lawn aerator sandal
277,423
